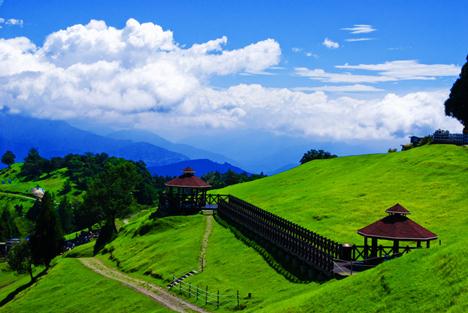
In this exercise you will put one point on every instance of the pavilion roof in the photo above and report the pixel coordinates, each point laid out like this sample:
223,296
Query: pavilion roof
188,180
397,209
397,227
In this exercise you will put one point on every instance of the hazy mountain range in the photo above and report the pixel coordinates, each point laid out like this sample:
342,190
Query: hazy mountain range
57,138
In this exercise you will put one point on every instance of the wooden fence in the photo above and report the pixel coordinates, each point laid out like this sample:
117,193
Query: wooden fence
302,251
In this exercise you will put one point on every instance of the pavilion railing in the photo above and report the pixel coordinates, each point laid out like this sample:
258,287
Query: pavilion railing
362,252
304,249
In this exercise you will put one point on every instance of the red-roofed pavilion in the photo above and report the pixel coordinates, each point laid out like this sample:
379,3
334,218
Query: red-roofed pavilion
396,227
185,194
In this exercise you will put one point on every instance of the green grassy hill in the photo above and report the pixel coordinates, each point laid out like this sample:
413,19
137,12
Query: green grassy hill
70,287
335,198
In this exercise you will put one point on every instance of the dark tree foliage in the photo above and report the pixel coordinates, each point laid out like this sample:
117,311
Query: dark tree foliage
8,227
47,238
34,211
65,214
316,155
457,104
220,180
106,234
66,188
86,214
19,258
8,158
33,165
111,192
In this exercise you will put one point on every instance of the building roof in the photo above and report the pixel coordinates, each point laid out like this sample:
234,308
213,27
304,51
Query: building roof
188,180
397,227
397,209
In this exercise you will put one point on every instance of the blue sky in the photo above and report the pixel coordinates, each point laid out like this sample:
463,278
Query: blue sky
337,71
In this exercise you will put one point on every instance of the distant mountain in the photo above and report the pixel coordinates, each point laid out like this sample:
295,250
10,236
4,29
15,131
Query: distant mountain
201,167
57,138
185,149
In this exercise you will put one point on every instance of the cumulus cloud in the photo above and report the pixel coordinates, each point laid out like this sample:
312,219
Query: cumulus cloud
330,44
95,69
140,76
385,72
360,29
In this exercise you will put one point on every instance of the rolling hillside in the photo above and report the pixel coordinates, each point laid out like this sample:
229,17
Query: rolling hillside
335,198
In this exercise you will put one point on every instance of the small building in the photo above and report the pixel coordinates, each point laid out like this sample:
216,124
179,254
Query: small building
445,137
183,195
397,227
38,192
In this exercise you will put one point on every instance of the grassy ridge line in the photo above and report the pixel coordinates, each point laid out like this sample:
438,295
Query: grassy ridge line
70,287
336,197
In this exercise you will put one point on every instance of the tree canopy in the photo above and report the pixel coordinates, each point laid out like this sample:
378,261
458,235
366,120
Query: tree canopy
47,238
316,155
8,158
457,104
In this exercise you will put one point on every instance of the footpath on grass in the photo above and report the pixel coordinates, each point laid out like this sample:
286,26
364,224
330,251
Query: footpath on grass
204,245
17,195
152,291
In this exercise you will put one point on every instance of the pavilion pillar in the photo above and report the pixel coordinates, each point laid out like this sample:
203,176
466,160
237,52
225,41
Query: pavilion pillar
396,246
428,244
418,244
366,247
374,248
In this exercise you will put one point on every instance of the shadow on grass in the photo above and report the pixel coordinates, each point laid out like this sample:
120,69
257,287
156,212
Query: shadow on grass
15,292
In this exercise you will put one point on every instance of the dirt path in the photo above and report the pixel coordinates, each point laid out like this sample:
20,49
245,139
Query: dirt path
11,194
154,292
204,245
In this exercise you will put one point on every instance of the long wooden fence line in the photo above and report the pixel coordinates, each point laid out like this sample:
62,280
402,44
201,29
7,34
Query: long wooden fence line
302,249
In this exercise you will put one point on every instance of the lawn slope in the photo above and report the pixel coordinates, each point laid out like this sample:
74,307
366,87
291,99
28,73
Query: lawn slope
70,287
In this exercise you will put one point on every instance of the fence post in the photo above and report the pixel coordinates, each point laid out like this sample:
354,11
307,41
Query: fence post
238,301
217,303
206,296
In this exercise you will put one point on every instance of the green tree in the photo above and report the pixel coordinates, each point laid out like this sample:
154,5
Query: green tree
8,158
65,214
316,155
457,104
8,227
112,192
19,258
47,238
33,165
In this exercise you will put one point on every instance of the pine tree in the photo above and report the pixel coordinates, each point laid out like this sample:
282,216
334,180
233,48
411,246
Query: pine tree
457,103
47,238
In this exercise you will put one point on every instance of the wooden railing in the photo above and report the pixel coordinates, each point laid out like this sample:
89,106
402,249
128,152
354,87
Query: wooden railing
305,247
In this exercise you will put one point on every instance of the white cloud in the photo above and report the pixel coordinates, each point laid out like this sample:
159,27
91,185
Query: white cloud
342,88
360,29
385,72
359,39
139,76
330,44
296,49
12,21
